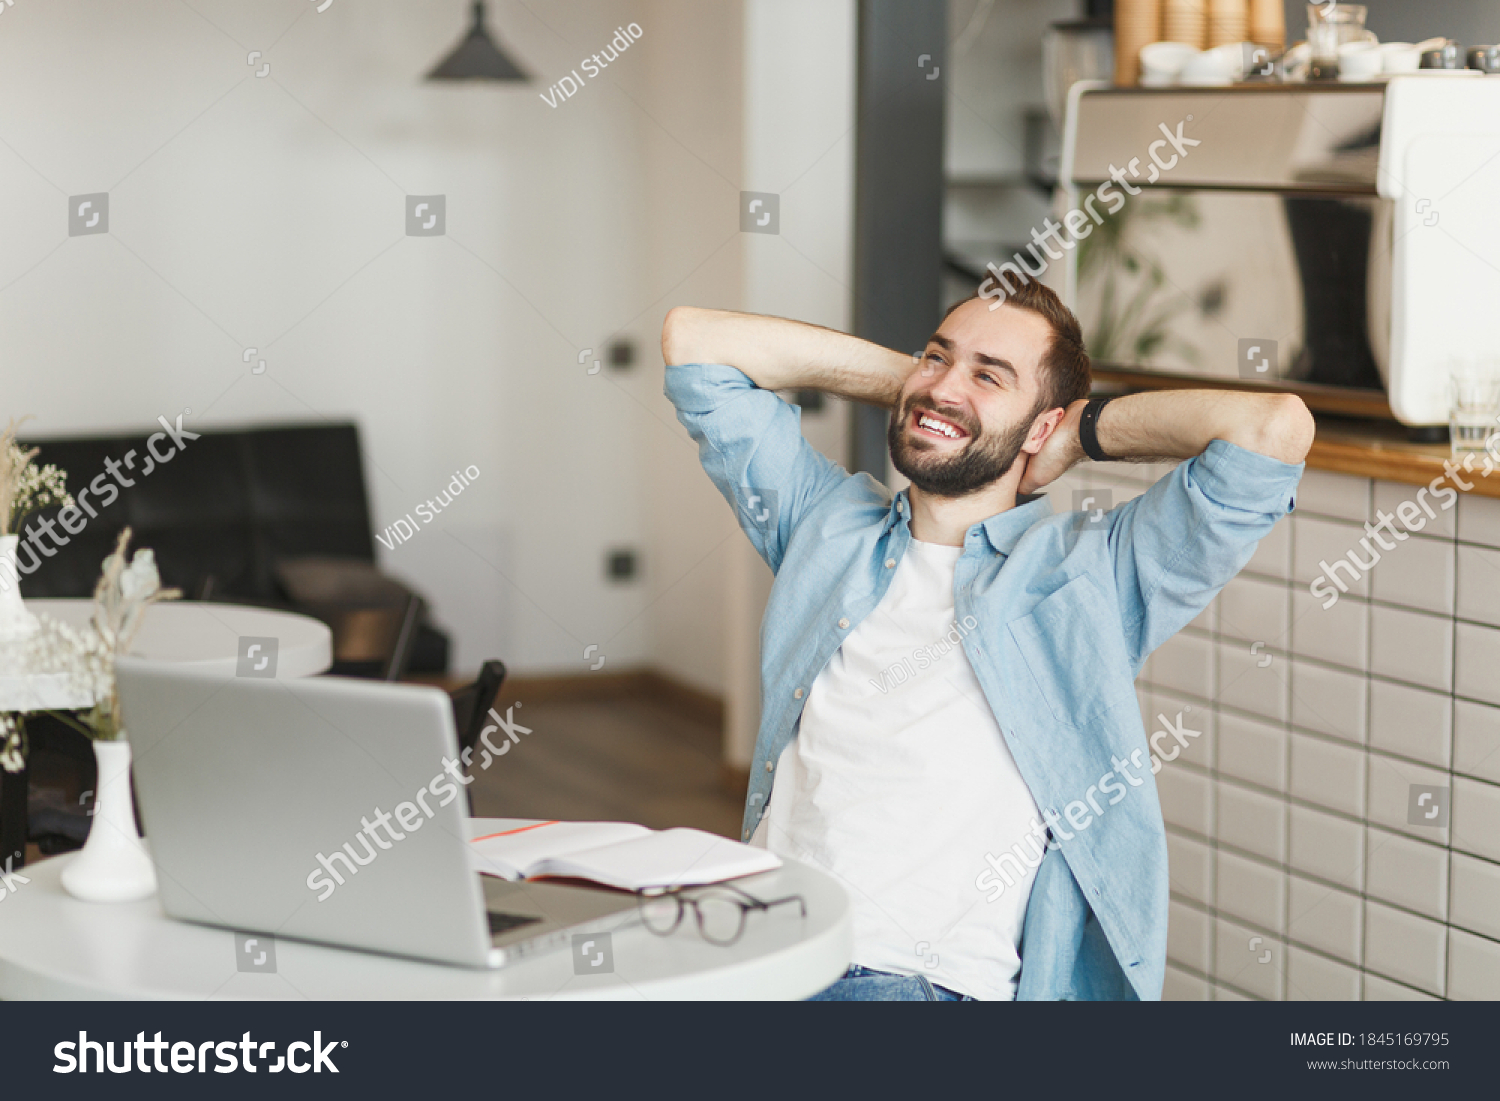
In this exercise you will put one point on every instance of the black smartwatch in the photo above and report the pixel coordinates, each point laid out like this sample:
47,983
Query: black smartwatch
1088,430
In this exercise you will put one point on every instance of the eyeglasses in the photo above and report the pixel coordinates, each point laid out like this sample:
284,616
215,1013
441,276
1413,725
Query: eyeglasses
721,915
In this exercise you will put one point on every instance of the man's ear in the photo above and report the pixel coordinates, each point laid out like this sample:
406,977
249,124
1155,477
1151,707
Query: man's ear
1042,428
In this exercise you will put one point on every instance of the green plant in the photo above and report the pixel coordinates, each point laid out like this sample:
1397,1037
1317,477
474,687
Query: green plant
1133,322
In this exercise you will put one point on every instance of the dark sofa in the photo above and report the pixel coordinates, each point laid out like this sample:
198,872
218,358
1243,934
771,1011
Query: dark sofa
221,514
275,517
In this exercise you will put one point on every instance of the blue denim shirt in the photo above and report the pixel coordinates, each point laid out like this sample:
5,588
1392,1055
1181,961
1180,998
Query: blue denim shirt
1067,612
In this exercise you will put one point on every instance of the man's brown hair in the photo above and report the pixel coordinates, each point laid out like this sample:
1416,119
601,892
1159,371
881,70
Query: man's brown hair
1066,375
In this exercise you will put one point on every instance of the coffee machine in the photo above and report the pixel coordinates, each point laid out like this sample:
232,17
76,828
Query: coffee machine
1341,241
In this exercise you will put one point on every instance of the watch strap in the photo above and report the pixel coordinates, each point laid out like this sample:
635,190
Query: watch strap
1088,430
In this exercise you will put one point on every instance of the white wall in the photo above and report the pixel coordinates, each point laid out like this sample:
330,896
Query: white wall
787,76
269,213
695,159
800,64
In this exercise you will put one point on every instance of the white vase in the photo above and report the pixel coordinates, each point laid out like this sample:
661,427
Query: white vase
15,621
114,865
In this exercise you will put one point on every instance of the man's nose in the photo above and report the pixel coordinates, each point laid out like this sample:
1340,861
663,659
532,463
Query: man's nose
947,389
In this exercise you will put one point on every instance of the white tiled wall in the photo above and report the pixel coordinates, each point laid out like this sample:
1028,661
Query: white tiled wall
1311,977
1295,870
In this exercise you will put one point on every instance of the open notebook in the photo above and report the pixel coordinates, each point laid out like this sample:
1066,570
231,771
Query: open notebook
616,854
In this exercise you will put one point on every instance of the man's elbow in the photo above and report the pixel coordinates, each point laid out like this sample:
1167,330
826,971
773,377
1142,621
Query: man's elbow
677,336
1286,432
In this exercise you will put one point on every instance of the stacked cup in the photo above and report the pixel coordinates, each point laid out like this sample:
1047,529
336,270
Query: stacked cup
1228,22
1267,23
1185,21
1137,24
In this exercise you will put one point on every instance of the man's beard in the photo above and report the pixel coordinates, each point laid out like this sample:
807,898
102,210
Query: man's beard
985,458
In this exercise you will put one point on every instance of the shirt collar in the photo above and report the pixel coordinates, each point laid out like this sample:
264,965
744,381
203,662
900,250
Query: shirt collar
1003,530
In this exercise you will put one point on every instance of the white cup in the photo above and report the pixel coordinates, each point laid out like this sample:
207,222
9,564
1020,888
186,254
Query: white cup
1400,57
1209,69
1164,60
1358,61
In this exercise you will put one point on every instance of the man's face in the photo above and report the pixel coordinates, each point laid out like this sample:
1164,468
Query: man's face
971,407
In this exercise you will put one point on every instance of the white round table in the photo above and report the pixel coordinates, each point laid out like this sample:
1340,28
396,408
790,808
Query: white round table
53,946
197,633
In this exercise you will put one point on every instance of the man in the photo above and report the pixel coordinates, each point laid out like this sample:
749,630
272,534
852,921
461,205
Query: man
947,675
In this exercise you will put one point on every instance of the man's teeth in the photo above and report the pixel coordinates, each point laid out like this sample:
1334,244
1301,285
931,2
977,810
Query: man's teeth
938,426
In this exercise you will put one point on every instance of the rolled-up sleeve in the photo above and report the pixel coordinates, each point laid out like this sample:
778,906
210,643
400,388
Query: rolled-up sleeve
751,445
1186,537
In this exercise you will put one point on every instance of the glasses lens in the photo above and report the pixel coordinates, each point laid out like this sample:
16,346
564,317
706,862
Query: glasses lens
720,918
660,914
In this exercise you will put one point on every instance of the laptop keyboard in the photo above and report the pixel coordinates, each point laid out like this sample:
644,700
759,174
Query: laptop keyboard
503,922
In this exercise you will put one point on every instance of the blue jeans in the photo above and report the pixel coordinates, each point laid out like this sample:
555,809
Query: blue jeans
863,984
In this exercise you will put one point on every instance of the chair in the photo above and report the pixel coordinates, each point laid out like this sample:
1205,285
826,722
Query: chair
471,704
373,617
57,787
473,701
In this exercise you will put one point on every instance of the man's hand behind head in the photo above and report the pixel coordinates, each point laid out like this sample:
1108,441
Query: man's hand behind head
1057,456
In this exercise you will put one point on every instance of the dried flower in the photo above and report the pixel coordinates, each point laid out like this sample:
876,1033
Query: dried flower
140,578
12,743
87,655
24,486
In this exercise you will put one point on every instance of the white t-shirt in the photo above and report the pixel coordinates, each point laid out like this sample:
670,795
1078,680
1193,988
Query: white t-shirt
899,783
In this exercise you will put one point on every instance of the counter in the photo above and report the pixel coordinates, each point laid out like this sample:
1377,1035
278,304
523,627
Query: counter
1333,826
1375,450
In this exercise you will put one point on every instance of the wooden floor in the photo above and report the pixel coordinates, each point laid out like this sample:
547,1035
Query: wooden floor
629,759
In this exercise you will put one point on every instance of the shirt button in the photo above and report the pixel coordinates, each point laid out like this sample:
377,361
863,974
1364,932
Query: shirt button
843,625
747,835
890,563
900,506
797,695
769,766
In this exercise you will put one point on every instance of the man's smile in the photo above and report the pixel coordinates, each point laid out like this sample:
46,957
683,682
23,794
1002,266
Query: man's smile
930,425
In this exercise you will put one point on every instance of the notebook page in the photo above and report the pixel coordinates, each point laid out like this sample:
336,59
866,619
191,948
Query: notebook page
666,858
511,854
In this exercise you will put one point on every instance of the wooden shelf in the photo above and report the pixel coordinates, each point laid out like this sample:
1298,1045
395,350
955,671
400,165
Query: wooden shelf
1379,451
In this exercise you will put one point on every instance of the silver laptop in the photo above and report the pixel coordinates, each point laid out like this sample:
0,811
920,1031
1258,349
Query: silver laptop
327,809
